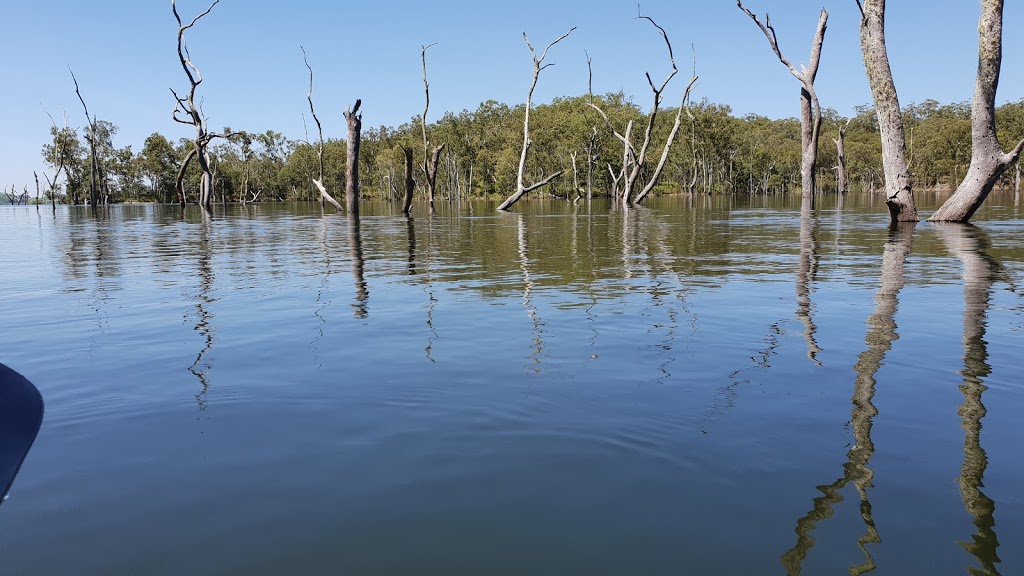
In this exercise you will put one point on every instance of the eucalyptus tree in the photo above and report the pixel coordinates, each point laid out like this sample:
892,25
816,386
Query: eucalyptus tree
58,154
810,107
538,66
988,161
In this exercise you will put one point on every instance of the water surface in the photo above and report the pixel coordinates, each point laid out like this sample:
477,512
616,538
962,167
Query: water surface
699,387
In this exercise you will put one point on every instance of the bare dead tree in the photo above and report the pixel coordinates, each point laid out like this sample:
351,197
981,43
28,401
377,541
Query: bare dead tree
36,176
899,196
90,137
319,180
187,112
431,157
634,161
810,108
538,66
61,151
354,119
988,162
842,181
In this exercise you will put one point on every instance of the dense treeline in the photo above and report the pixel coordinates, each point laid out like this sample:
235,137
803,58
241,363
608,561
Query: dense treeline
715,153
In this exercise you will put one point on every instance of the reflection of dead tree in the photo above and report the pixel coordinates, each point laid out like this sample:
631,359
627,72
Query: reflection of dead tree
355,242
804,278
880,336
318,181
528,287
202,365
633,161
193,117
969,243
538,66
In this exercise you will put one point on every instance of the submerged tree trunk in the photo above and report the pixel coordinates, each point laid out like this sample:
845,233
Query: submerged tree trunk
810,108
899,196
988,162
538,66
354,118
410,183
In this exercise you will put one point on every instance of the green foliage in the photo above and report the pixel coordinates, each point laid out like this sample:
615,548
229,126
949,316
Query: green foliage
715,152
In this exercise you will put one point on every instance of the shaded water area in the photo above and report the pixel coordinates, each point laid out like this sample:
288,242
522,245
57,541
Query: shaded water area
704,386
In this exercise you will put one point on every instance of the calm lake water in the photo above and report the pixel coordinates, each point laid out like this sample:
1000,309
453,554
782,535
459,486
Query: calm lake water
699,387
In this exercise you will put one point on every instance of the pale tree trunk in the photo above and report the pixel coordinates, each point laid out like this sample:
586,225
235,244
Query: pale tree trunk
988,162
810,108
193,115
354,118
319,180
538,66
899,196
430,157
633,160
842,180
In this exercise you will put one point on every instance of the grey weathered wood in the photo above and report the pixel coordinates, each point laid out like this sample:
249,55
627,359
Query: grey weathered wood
988,161
633,160
899,196
354,119
193,115
318,181
538,66
810,107
842,180
430,157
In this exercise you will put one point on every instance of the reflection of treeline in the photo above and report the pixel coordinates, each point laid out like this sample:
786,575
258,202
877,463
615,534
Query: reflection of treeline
715,152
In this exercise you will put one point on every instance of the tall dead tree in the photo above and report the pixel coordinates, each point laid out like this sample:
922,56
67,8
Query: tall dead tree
810,108
193,116
319,180
354,119
899,196
988,162
538,66
431,157
60,150
634,161
90,137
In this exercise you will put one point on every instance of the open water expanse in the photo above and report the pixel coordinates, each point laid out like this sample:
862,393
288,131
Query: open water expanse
703,386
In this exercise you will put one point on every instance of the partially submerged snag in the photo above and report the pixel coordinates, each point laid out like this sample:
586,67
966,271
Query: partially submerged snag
521,187
899,196
810,108
988,162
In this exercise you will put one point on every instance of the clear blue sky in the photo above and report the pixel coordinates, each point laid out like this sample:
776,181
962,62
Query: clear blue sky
123,53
